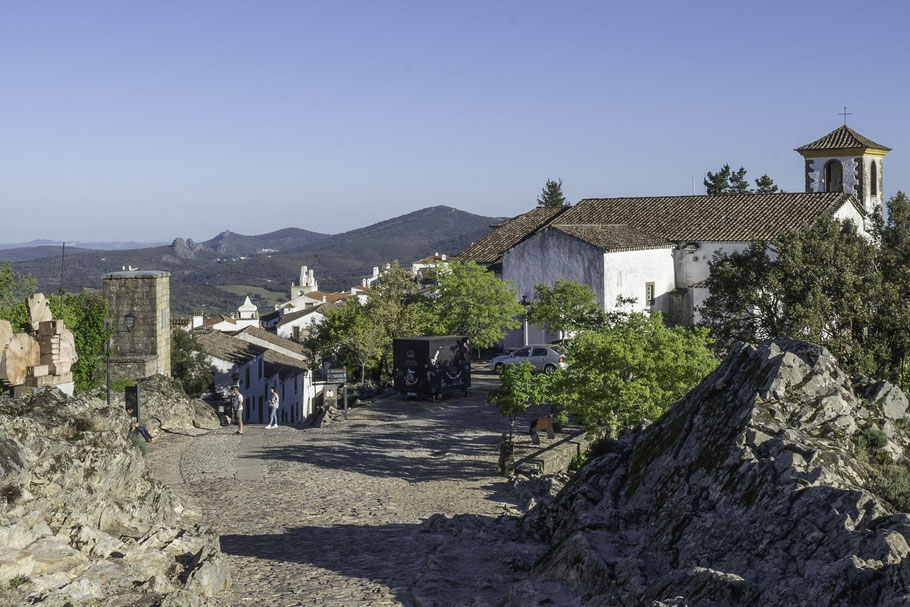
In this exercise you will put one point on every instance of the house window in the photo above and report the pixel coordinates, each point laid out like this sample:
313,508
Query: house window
834,176
873,179
649,294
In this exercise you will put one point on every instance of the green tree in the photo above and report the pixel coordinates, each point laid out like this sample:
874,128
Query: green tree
633,370
15,288
726,181
520,387
349,336
552,196
891,329
765,185
566,307
89,314
189,365
821,284
470,300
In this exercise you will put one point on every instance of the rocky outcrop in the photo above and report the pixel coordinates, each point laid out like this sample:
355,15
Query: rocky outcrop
748,491
165,406
81,520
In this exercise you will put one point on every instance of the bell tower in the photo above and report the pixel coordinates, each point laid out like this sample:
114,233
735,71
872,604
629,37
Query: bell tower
845,161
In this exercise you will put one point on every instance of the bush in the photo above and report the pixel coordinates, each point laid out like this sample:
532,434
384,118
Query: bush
891,482
871,439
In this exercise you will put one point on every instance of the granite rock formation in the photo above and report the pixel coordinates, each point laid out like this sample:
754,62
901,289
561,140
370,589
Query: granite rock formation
81,520
748,491
165,406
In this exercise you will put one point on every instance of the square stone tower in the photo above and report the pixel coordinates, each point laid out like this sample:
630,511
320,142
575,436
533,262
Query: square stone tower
146,349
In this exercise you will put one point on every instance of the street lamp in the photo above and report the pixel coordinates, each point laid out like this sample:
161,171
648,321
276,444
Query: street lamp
129,321
524,318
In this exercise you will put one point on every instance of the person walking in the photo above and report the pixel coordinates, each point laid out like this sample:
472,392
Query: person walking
273,408
238,408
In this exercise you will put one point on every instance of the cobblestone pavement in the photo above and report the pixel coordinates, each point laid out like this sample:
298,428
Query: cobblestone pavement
336,518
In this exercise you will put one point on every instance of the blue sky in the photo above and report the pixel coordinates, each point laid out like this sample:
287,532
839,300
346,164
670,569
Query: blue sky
147,121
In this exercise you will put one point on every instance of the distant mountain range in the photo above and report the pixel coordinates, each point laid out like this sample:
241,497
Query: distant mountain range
100,246
216,273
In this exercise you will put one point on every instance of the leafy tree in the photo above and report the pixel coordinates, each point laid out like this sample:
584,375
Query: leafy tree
85,315
470,300
189,365
633,370
820,284
891,330
520,387
726,181
552,195
397,307
15,288
349,336
765,185
566,307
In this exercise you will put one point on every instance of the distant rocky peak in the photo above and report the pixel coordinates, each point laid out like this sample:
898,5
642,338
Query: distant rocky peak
185,249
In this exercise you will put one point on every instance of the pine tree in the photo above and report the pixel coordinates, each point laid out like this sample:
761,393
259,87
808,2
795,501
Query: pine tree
552,196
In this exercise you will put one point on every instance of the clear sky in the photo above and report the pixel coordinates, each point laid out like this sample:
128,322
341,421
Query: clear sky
152,120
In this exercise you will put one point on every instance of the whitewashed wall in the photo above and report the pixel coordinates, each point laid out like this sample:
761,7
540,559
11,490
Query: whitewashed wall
287,330
627,272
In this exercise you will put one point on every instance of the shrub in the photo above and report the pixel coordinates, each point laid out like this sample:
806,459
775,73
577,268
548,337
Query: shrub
10,493
871,439
891,482
17,581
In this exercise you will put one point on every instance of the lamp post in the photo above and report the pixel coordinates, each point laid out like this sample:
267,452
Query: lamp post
129,321
524,318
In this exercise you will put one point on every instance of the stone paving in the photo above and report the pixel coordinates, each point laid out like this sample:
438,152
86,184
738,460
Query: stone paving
332,515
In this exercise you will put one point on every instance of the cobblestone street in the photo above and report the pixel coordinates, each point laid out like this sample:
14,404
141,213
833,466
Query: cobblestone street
331,516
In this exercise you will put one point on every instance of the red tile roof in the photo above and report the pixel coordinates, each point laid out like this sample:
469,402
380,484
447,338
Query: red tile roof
842,138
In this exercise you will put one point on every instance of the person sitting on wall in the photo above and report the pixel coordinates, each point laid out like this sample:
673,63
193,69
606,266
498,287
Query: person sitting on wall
143,431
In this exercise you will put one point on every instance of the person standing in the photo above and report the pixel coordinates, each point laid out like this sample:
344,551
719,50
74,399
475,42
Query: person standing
238,409
273,408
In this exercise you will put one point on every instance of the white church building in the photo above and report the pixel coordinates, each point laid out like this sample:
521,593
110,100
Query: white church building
656,249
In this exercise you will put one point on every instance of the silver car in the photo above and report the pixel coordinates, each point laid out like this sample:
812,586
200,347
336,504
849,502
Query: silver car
543,358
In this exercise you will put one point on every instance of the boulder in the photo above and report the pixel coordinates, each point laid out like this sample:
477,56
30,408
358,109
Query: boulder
751,490
21,352
39,310
165,406
83,522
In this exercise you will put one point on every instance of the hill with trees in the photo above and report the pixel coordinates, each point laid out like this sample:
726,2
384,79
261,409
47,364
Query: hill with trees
266,262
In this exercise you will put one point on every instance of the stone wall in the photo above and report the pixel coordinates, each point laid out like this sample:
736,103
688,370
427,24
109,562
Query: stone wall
146,349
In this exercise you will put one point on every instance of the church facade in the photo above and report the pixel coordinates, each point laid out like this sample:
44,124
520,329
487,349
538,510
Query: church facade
656,249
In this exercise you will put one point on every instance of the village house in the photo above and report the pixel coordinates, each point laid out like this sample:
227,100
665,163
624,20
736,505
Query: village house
237,361
656,249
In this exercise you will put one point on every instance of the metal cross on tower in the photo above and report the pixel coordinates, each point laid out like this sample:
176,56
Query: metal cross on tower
845,113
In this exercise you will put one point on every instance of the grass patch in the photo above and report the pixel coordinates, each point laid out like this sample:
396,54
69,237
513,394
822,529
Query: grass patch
17,581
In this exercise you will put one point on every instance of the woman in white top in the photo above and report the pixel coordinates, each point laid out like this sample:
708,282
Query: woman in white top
273,409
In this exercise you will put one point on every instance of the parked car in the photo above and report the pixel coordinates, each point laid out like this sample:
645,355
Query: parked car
544,358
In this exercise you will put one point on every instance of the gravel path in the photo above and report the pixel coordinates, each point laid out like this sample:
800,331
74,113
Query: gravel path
335,518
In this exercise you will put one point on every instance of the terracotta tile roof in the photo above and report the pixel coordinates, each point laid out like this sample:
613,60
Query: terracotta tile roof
291,316
489,248
218,318
708,218
283,366
614,237
275,340
841,138
225,347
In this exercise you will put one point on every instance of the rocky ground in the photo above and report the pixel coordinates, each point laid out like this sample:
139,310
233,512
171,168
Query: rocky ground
81,520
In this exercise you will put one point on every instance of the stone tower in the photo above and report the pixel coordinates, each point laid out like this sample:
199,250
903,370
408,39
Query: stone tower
845,161
306,284
146,349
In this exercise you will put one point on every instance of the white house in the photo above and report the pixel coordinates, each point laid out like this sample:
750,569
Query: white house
255,369
656,249
295,324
